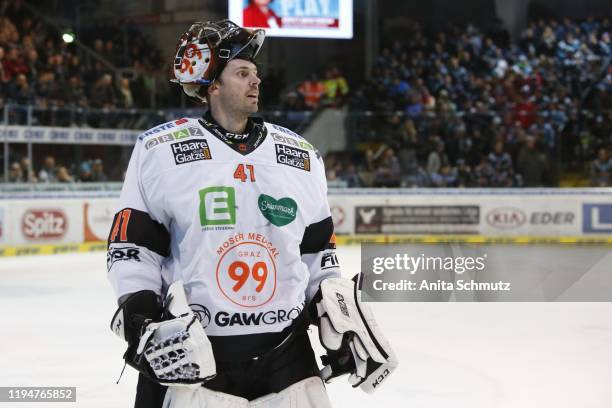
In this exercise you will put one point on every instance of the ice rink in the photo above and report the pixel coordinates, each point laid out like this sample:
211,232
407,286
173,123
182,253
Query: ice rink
56,311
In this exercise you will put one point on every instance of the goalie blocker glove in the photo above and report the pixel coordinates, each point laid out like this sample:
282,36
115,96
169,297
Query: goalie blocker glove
349,333
166,344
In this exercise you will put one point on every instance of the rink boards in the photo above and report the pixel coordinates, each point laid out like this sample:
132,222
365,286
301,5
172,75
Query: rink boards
79,222
84,247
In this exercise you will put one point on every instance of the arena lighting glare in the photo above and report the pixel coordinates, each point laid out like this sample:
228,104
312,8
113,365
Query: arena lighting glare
68,37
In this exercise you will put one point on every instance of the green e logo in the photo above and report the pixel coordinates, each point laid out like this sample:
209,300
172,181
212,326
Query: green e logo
217,206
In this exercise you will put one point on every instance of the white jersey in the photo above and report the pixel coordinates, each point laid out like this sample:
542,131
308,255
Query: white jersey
247,227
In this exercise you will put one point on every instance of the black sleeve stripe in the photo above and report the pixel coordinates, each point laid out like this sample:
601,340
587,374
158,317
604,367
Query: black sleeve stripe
137,227
317,237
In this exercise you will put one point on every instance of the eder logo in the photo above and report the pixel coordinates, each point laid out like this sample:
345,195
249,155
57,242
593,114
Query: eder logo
217,206
597,218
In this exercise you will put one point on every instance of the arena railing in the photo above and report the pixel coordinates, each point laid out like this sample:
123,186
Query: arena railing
130,119
60,190
363,130
87,133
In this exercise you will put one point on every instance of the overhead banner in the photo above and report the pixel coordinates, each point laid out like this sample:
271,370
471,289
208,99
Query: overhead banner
295,18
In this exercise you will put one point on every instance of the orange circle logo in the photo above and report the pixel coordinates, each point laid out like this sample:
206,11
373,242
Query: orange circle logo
246,274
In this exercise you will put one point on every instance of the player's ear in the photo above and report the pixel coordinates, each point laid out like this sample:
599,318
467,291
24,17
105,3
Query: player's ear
213,88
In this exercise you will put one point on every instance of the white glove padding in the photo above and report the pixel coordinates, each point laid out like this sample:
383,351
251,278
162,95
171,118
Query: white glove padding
353,340
178,350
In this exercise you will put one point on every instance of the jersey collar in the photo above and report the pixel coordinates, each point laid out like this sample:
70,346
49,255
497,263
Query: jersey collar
245,143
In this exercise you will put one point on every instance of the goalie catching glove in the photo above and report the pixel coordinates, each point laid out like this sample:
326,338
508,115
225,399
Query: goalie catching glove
167,345
350,335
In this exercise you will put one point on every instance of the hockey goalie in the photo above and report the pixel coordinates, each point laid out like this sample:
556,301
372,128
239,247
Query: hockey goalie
222,251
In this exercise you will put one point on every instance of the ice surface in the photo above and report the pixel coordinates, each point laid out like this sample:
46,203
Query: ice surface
56,310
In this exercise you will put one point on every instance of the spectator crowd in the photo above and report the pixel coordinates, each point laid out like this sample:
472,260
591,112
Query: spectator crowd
51,172
38,69
314,93
463,107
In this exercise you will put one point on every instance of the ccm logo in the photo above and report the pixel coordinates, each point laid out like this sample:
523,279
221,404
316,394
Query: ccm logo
44,224
380,378
342,304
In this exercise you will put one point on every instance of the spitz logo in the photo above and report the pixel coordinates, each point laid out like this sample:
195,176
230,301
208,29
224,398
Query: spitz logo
44,224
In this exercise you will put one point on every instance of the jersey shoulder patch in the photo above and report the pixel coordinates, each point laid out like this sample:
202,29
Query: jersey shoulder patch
170,132
288,137
281,129
292,149
165,127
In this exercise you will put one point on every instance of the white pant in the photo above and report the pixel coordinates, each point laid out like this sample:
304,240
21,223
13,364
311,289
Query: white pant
308,393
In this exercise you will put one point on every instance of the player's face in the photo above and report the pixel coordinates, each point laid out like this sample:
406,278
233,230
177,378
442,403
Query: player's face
239,86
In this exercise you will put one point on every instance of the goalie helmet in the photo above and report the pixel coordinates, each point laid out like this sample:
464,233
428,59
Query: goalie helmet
205,49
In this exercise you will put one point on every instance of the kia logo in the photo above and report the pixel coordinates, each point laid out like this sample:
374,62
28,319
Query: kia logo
44,224
506,218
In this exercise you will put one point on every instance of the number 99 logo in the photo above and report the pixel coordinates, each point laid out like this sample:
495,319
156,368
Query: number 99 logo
246,274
